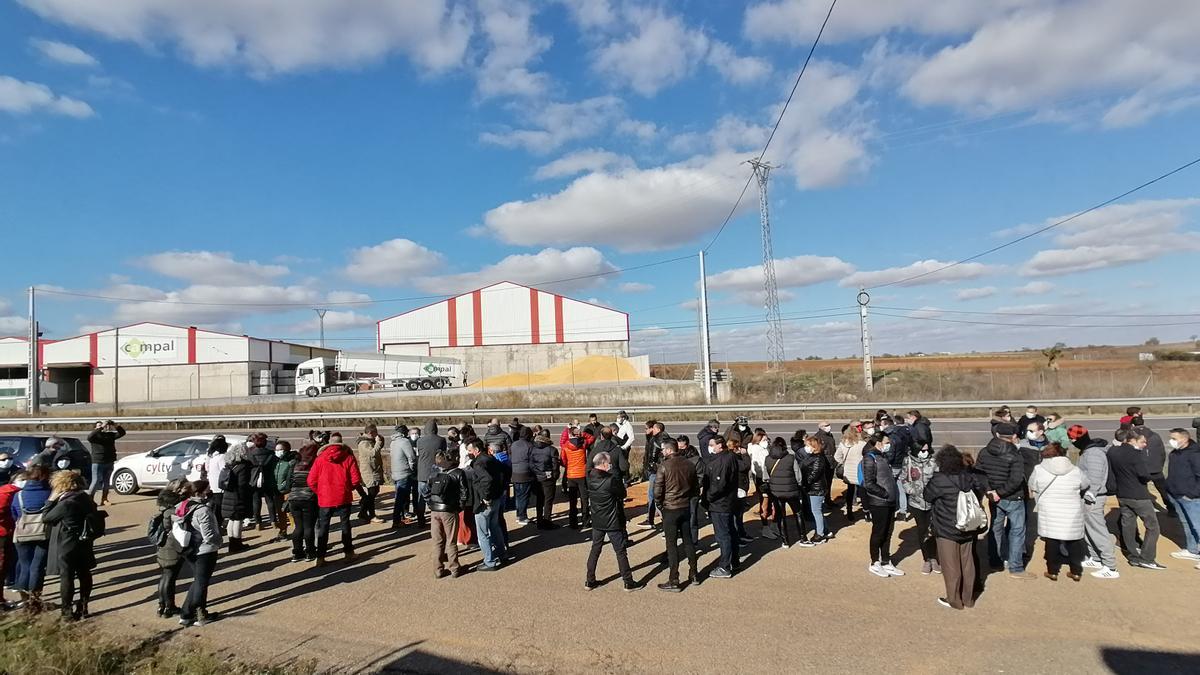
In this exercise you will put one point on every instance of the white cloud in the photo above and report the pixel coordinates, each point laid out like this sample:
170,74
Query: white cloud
209,267
895,274
804,270
552,125
737,69
661,52
22,98
589,14
61,52
391,263
279,36
335,320
1034,288
975,293
513,45
635,287
1120,234
16,326
347,296
583,161
220,304
635,209
796,21
1144,52
530,269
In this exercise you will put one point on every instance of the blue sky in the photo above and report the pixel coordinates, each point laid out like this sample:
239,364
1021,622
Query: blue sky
183,160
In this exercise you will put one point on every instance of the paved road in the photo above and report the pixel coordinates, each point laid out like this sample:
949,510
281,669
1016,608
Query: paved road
797,610
966,433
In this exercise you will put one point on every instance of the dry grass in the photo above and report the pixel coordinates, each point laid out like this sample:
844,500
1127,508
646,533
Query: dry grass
47,646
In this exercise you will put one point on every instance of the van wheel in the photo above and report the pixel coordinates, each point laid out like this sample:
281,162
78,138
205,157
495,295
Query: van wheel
312,392
427,384
439,384
412,385
125,483
352,389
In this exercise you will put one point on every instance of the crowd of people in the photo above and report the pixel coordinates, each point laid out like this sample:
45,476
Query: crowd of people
1037,476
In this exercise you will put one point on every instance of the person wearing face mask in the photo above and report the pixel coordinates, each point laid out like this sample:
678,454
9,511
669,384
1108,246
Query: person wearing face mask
740,431
573,454
624,434
1130,476
918,470
1183,485
8,552
9,467
656,434
814,468
214,466
403,466
520,456
70,555
921,427
847,459
712,429
719,489
1093,462
1031,416
784,487
544,462
66,458
32,542
285,464
1056,432
900,441
196,514
334,478
515,428
1031,446
824,434
302,503
881,498
368,452
1000,461
496,434
236,489
427,447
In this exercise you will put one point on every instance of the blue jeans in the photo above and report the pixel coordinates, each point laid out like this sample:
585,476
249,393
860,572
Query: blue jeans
521,496
422,497
101,477
487,529
903,508
815,502
650,499
401,502
725,529
31,565
1008,545
1189,520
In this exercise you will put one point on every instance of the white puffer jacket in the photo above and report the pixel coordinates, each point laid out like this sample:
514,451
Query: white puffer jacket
1057,485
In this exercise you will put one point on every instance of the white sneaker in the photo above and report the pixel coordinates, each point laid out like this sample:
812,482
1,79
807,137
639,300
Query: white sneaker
1106,573
877,569
1092,563
1185,555
522,523
892,570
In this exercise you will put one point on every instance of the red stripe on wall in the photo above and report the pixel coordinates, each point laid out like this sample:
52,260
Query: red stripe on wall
535,331
477,305
558,318
452,321
42,355
191,344
93,358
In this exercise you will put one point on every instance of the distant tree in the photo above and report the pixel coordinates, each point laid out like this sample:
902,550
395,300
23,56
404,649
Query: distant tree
1060,345
1153,342
1052,355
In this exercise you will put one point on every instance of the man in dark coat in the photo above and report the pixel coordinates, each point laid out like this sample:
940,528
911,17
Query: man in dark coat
606,499
103,440
428,446
719,482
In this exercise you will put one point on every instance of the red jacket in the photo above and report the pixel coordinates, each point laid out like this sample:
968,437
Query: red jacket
7,494
334,477
588,439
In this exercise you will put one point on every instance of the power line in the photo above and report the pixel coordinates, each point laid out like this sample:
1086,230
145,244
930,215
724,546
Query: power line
1044,229
1049,314
778,121
1026,325
308,305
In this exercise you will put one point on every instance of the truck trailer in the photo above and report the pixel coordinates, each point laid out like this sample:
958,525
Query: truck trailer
350,373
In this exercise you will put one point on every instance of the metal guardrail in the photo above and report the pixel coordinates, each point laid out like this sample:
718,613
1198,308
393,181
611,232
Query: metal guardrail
643,410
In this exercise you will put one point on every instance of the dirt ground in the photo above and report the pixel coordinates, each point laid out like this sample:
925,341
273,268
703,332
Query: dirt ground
797,610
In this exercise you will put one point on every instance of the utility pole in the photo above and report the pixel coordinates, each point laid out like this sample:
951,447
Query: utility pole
34,374
321,317
864,299
775,356
705,349
116,371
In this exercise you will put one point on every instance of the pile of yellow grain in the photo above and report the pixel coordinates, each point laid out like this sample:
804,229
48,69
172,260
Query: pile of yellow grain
589,369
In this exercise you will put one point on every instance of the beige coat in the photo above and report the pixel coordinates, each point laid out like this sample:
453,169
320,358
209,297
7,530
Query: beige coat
369,454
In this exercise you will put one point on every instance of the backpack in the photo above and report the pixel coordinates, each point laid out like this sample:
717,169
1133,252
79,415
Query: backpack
30,527
226,481
156,531
95,524
439,484
969,515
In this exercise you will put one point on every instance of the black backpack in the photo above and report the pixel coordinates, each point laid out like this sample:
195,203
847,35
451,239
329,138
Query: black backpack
156,531
439,484
94,525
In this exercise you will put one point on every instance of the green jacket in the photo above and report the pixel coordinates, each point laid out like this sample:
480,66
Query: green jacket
283,471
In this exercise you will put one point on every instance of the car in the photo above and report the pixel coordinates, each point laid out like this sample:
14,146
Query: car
24,448
155,468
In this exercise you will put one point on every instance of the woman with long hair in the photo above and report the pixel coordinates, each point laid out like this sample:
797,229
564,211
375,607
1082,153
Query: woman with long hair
814,467
168,555
197,516
71,556
847,458
758,449
955,548
783,477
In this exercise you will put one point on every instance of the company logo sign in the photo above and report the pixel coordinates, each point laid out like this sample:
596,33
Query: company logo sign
435,369
135,348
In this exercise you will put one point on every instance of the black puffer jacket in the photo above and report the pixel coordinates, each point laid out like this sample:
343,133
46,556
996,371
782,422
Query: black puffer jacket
1004,468
262,469
544,459
942,494
235,501
104,444
167,555
814,471
496,434
743,466
618,462
487,481
719,479
877,479
520,455
606,499
782,466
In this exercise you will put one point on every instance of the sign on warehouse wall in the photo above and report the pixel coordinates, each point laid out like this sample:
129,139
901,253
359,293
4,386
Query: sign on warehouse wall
144,349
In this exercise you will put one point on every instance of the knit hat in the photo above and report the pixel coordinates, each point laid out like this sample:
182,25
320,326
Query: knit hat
1126,421
1077,431
1006,429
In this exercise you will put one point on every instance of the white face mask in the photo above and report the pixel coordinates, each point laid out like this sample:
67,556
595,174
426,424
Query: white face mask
1173,443
5,463
885,449
279,453
1031,435
1031,415
413,437
20,484
868,430
922,454
825,428
63,463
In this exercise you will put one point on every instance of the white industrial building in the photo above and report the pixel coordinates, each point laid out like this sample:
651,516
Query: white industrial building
507,328
152,362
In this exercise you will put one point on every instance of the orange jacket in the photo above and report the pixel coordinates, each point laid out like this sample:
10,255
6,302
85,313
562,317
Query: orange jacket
575,460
